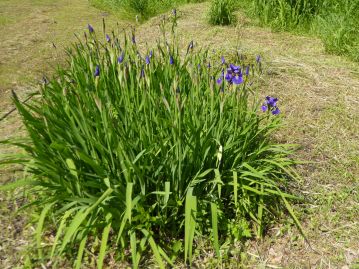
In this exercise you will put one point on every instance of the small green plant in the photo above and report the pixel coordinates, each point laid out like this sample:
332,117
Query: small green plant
221,12
138,6
146,150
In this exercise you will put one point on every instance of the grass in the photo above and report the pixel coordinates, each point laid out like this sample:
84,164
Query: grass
141,10
221,12
318,94
336,24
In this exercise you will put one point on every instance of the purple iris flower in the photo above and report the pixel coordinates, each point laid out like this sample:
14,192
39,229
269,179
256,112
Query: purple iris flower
229,77
172,61
223,60
271,101
120,58
235,69
238,79
234,75
108,39
247,70
148,60
97,71
271,104
91,30
258,59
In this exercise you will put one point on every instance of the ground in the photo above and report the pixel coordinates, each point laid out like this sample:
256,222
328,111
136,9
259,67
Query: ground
319,97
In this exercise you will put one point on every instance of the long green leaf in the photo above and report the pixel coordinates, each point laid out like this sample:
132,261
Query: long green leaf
104,239
154,248
79,218
39,227
190,223
18,183
80,253
215,228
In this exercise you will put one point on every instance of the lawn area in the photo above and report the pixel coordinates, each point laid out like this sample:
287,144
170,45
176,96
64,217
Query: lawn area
319,97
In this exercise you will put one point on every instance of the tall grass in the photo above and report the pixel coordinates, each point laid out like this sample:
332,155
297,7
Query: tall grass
338,26
221,12
336,22
146,150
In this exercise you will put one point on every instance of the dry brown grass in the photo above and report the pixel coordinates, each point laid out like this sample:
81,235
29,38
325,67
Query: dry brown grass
319,96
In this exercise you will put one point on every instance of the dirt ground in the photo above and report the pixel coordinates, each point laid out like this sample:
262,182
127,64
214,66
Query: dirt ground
319,96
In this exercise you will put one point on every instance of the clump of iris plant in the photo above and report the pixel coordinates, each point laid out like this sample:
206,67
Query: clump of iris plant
270,104
136,150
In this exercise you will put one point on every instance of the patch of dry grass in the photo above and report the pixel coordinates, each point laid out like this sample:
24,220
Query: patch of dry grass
319,95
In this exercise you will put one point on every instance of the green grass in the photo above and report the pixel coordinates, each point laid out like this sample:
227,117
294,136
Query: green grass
221,12
335,23
154,148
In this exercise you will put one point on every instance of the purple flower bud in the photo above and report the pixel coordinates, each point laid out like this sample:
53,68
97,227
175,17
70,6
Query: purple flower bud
108,39
45,80
219,81
174,12
276,111
190,46
264,107
133,39
199,66
91,30
258,58
97,71
148,60
151,54
142,73
120,58
209,65
223,60
247,71
171,60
